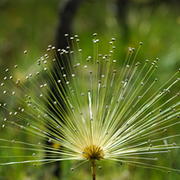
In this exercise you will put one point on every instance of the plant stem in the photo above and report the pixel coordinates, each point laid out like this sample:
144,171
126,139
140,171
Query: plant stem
93,170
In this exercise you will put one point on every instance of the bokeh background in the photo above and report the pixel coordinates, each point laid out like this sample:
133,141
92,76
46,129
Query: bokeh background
32,25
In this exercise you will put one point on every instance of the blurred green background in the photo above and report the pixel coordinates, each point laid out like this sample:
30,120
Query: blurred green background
31,25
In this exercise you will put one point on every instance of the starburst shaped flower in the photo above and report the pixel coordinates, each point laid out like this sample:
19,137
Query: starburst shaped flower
92,109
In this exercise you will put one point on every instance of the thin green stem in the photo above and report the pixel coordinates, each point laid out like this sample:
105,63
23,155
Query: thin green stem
93,170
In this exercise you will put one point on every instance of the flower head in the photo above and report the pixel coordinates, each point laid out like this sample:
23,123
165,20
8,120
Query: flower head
91,109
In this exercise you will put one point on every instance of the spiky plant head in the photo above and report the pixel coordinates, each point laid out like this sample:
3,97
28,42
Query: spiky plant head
93,152
90,109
